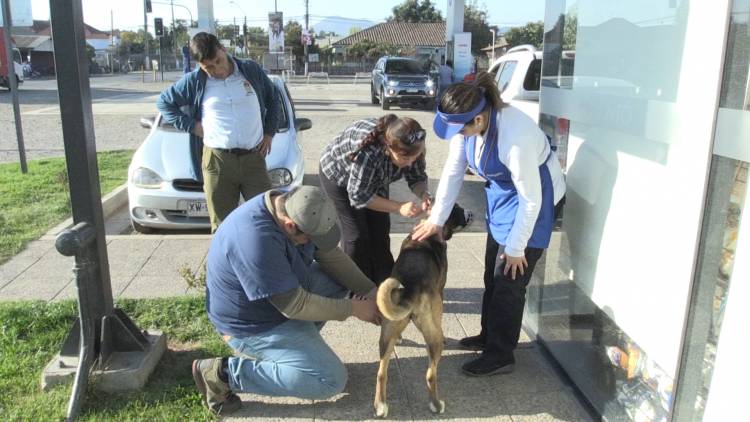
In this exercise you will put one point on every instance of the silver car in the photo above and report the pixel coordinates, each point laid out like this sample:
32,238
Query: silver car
162,193
400,81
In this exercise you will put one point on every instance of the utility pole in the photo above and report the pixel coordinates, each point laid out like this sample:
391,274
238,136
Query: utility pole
174,38
307,31
13,81
146,60
111,42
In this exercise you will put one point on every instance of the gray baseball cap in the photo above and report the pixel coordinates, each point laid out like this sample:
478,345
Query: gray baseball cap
315,215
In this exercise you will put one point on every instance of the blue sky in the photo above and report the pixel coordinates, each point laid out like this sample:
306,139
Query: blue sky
128,14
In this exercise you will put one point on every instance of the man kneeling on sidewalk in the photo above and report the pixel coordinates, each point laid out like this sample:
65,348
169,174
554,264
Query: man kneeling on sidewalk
274,274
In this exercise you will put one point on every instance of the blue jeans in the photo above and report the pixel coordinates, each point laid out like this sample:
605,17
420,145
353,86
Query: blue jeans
291,359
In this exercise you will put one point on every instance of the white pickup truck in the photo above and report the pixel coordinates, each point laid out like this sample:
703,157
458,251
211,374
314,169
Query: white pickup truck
518,74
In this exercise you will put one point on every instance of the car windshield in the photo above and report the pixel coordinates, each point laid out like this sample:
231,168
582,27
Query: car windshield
404,66
283,118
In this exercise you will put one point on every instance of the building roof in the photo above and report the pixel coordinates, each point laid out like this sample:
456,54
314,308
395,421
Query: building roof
42,27
400,34
30,41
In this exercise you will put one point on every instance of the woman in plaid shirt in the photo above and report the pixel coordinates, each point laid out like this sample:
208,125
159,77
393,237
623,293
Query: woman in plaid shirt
356,170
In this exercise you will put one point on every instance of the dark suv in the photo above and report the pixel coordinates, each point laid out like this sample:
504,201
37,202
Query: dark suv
401,80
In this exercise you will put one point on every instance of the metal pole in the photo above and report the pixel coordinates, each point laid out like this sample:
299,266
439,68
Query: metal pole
493,47
13,84
111,42
146,59
161,59
174,38
307,20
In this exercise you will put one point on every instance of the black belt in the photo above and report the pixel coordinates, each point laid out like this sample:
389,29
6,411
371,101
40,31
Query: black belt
239,151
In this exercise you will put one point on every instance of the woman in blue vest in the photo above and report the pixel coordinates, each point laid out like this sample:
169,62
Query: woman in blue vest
524,187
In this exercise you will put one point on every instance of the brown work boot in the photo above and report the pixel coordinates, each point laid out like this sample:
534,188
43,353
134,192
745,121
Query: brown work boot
216,393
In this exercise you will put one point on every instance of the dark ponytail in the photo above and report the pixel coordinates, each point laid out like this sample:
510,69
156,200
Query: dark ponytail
390,131
462,97
377,136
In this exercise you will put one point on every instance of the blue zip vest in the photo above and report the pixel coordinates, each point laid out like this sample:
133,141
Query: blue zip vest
502,196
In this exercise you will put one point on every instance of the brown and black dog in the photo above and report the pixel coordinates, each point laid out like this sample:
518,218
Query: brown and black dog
414,292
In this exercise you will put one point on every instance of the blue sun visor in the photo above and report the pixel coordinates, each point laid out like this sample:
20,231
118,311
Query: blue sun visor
448,125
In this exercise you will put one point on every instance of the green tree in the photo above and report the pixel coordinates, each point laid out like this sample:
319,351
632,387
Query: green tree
134,42
293,38
370,50
354,29
90,53
414,11
475,21
570,32
257,36
326,34
531,33
226,32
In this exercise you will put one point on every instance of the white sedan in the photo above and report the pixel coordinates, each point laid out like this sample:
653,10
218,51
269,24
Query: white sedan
162,193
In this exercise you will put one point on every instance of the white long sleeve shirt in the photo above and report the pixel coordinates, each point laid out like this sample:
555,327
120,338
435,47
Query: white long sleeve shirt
522,147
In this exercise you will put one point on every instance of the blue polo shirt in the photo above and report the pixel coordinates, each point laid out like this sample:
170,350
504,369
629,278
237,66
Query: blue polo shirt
249,260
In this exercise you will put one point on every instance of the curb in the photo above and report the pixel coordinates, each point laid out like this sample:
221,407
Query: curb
111,202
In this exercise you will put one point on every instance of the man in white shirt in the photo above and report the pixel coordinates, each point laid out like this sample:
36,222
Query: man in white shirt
231,108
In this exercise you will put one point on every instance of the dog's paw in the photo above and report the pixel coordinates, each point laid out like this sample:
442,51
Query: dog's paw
439,409
381,410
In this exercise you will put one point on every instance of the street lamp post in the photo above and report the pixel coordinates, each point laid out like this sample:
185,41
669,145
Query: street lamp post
493,46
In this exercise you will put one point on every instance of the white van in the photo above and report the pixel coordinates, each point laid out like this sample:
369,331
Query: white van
518,74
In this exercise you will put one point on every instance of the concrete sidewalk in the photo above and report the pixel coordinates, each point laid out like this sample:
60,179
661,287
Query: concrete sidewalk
147,266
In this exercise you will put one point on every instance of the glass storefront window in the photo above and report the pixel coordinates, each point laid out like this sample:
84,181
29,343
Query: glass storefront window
630,90
724,208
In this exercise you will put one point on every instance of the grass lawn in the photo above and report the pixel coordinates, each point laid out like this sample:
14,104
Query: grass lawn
32,332
32,203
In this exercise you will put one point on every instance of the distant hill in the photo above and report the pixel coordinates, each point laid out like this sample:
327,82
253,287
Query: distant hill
338,24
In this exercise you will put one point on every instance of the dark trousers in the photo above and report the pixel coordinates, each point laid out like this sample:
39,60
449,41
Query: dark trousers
503,300
365,234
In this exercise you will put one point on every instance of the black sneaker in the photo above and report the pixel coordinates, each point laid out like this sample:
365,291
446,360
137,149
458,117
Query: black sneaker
475,343
484,366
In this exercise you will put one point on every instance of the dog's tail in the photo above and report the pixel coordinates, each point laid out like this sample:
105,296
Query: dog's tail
391,301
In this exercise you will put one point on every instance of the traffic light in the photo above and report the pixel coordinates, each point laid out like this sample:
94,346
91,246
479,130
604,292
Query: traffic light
148,6
158,27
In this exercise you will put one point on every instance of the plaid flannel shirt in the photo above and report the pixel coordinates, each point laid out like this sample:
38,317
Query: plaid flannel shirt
371,172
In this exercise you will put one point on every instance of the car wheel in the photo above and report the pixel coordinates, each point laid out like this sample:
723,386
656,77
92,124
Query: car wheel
373,97
141,228
383,101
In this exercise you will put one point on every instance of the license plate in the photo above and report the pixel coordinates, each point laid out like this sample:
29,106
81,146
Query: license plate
412,91
197,209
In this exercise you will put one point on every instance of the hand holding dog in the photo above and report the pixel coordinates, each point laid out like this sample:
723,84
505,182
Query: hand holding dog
426,229
410,209
366,310
514,264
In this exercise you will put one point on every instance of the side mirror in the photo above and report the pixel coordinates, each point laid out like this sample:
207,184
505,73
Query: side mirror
302,124
147,122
